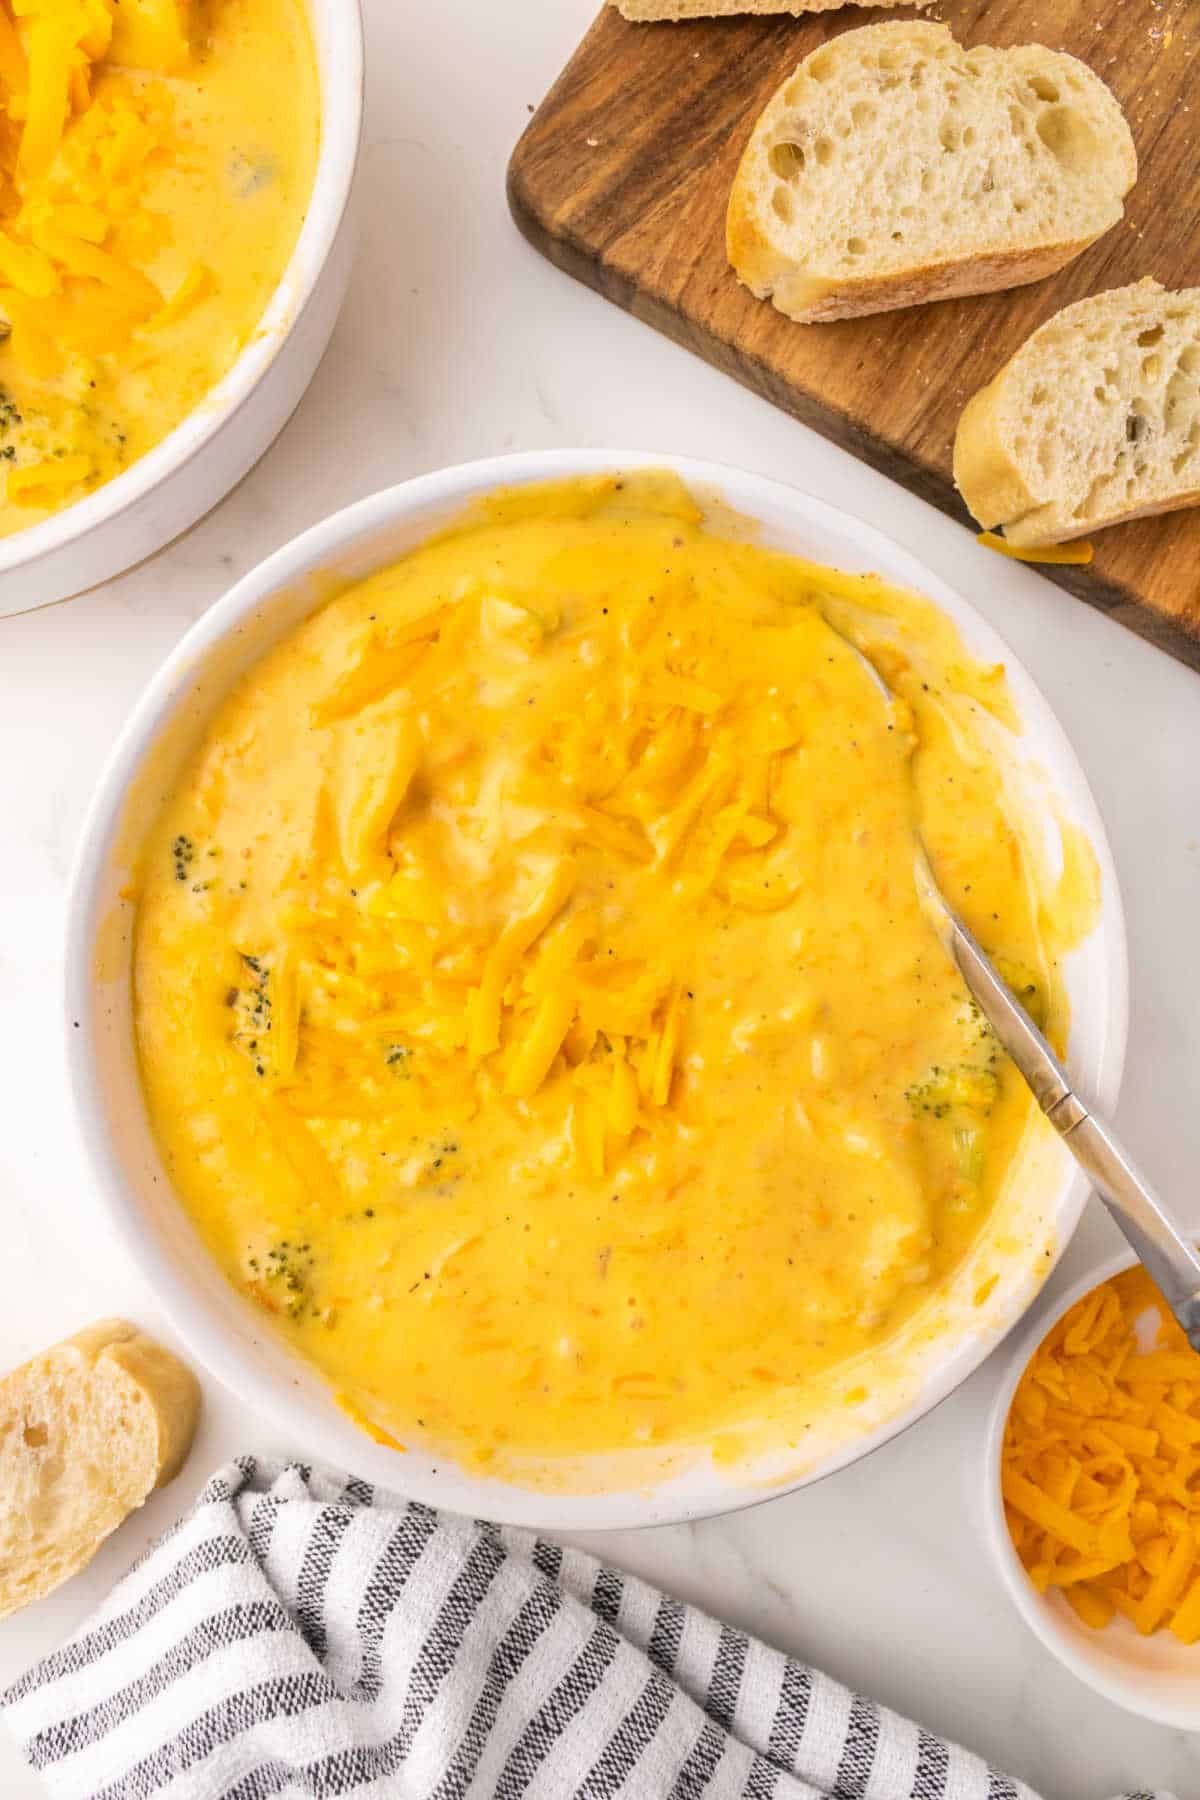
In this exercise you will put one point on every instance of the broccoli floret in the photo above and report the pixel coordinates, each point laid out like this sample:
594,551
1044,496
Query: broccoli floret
962,1085
251,1005
280,1277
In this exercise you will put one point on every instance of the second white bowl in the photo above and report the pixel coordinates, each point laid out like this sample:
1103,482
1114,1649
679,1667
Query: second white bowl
206,455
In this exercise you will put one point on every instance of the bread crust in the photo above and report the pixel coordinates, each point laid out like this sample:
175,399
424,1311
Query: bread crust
170,1387
1028,537
984,473
807,300
647,11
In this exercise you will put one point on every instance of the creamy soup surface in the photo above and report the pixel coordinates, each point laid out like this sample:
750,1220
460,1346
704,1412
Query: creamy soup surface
156,162
535,1009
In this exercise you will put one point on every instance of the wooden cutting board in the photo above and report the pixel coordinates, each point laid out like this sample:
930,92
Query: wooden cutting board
622,178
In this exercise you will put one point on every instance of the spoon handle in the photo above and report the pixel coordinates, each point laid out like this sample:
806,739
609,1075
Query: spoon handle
1171,1261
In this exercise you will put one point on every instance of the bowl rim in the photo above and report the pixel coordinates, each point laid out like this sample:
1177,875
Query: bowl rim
311,551
1058,1638
338,48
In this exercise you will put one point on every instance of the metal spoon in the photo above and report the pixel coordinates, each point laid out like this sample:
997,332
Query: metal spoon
1156,1237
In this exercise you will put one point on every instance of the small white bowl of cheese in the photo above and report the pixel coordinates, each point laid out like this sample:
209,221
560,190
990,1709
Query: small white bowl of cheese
1149,1671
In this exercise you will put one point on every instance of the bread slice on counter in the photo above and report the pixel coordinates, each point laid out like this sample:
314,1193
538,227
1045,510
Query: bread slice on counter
87,1430
896,167
646,10
1095,419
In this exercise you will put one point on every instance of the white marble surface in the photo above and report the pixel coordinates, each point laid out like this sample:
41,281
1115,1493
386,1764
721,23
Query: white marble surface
458,341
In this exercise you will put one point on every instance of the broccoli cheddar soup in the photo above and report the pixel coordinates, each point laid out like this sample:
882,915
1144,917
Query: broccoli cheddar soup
156,159
535,1009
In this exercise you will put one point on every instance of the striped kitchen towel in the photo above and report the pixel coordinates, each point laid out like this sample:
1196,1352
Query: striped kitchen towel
299,1634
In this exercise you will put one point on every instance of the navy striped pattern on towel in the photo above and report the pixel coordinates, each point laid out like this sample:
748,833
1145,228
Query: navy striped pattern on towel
298,1634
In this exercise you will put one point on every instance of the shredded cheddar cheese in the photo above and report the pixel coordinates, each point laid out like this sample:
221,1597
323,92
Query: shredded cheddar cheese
1100,1468
1080,551
375,1432
123,128
534,1001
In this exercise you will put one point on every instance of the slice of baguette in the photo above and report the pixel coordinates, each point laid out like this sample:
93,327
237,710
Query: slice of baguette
643,11
87,1430
1095,419
896,167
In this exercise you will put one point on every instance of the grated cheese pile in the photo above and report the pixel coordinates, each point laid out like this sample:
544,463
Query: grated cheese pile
1100,1468
649,781
156,161
72,225
73,168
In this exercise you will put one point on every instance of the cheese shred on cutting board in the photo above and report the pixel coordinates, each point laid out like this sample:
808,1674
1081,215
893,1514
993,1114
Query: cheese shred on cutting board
1101,1462
156,158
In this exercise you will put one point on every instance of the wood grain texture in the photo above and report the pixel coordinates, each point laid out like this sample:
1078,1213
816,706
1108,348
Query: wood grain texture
622,179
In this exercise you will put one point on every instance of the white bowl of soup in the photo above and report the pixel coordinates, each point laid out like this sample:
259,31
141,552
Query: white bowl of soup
502,1023
171,264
